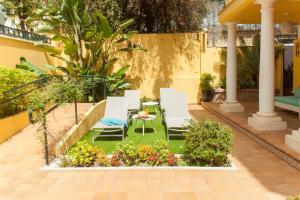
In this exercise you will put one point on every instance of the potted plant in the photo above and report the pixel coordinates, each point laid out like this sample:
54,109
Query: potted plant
206,86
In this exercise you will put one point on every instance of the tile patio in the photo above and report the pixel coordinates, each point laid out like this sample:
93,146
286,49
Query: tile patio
260,175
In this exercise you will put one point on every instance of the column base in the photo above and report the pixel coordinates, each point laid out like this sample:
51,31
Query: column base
293,141
267,123
232,107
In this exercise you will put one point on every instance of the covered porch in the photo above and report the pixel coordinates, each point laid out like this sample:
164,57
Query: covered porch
261,117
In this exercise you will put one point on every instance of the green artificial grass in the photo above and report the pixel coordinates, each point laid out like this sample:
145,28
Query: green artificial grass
109,144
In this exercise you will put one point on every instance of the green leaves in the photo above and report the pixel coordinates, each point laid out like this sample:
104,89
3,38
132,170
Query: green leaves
208,143
104,25
48,48
29,67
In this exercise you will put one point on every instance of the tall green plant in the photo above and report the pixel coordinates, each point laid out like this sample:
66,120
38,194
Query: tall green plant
248,61
58,92
89,41
206,82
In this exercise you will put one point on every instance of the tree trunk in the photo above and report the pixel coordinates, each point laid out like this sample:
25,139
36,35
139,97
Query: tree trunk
22,22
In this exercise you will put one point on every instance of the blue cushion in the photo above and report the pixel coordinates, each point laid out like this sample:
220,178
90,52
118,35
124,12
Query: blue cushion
113,122
297,93
290,100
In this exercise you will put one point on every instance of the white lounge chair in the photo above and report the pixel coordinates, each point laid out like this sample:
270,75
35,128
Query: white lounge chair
116,108
133,100
166,94
177,115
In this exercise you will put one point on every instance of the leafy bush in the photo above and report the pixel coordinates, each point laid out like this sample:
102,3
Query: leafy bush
206,82
154,159
172,160
85,155
161,147
102,159
11,78
129,153
294,197
116,160
144,152
208,143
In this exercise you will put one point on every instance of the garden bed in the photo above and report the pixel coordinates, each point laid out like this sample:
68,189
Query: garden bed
206,145
54,166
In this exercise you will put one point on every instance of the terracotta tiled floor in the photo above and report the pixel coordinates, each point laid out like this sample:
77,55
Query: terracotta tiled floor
276,138
260,175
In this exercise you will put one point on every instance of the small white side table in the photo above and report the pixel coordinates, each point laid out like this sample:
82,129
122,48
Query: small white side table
151,104
151,118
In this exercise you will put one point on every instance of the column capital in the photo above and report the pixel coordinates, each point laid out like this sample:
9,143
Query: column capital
231,25
265,4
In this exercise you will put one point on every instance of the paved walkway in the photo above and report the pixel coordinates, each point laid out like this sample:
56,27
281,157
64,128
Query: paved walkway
260,175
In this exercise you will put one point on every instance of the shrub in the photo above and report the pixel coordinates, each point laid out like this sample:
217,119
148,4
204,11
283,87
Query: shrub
11,78
129,153
144,152
102,159
154,159
116,160
206,82
84,155
161,147
172,160
294,197
208,143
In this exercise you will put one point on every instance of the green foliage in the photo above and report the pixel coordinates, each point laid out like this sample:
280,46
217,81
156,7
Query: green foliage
208,143
129,153
222,83
159,16
42,72
248,61
11,78
116,160
206,82
144,152
90,42
102,159
24,64
161,147
172,160
154,159
22,9
297,197
85,155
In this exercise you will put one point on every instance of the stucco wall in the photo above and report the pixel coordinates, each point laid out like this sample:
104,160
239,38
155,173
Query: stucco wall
173,60
12,49
11,125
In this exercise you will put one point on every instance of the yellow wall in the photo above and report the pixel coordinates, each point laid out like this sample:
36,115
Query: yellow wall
297,64
12,49
172,60
9,127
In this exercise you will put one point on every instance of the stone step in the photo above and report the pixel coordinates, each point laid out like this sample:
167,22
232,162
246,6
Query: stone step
296,134
293,142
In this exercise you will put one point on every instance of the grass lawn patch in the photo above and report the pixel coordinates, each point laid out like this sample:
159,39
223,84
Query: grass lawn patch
109,144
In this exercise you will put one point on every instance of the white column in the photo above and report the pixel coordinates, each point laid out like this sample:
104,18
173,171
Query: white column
231,104
266,118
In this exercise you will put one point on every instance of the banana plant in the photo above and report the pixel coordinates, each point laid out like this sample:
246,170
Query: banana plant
90,44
